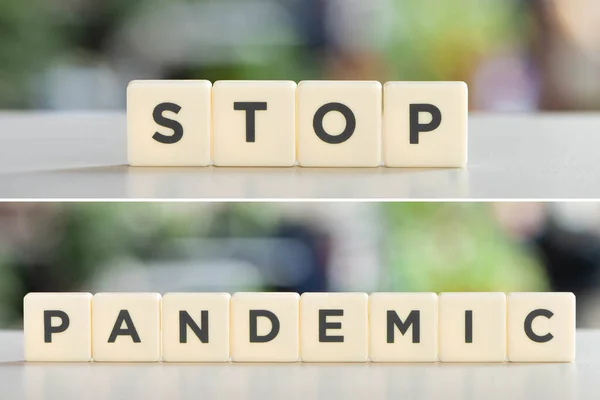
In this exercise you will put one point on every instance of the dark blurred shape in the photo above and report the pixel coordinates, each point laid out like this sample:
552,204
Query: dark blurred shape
316,280
572,261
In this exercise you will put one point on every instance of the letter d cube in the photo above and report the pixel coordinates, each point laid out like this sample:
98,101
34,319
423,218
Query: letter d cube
264,327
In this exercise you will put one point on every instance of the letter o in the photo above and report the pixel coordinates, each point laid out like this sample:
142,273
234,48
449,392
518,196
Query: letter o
348,130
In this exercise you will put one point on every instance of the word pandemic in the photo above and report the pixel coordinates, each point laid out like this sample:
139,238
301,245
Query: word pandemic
312,124
313,327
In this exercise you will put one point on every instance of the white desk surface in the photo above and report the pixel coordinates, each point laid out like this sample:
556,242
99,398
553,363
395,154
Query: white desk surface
83,155
20,380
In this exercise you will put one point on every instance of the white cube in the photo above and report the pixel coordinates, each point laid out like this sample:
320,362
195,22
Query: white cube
126,327
339,123
334,327
264,327
541,327
472,327
254,123
425,124
57,327
195,327
403,327
168,123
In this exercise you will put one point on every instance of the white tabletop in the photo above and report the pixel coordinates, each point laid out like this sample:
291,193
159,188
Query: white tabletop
61,155
20,380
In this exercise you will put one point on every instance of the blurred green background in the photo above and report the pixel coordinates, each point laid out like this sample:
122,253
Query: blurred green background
309,246
516,55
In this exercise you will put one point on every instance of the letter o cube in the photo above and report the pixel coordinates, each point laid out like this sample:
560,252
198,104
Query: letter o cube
339,123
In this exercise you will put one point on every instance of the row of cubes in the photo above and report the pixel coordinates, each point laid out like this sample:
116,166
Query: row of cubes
281,123
286,327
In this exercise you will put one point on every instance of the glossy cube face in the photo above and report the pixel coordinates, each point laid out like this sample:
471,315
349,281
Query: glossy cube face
254,123
339,123
57,327
265,327
126,327
403,327
541,327
168,123
425,124
195,327
334,327
472,327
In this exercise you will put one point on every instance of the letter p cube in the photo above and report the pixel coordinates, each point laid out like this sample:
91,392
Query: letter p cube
425,124
57,327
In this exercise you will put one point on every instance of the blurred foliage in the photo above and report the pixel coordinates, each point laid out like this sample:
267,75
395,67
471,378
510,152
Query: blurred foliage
447,247
442,40
446,40
83,237
428,247
28,40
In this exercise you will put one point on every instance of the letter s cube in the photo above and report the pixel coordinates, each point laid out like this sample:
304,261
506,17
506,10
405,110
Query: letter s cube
168,123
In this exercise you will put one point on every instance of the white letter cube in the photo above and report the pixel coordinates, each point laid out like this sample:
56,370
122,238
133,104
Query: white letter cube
339,123
486,342
283,308
430,144
254,123
548,335
418,309
143,311
168,123
334,327
215,306
57,327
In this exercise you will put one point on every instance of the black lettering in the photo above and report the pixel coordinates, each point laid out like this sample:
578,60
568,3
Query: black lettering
254,337
49,329
529,322
157,114
348,130
129,329
413,319
250,107
468,326
416,127
186,320
324,325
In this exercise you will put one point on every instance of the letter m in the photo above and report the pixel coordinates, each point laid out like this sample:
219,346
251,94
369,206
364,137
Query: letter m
393,320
